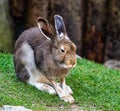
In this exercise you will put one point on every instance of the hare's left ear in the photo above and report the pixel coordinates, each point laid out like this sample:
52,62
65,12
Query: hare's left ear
46,28
60,27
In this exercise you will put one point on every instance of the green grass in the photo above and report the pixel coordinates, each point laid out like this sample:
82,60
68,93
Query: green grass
95,88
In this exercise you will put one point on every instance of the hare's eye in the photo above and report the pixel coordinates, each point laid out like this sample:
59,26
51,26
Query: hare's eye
62,50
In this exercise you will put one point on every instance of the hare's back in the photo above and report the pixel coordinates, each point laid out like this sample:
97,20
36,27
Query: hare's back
32,36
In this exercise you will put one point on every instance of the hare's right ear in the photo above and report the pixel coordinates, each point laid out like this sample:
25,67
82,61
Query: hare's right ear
60,27
45,28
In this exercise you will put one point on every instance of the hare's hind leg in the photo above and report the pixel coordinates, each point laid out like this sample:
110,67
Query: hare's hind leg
40,82
22,73
43,87
20,70
35,77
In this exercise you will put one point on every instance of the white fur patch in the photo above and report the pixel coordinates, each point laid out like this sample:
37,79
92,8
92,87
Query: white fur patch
61,34
66,37
28,54
28,60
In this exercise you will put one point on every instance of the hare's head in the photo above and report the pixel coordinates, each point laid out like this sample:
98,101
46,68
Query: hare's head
63,50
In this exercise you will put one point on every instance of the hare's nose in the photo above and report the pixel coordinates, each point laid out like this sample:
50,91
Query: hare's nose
71,63
74,63
68,62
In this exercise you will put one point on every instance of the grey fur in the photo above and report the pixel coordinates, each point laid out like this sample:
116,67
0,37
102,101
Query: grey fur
48,56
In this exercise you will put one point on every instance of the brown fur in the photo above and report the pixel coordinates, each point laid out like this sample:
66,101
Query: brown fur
43,52
52,51
42,46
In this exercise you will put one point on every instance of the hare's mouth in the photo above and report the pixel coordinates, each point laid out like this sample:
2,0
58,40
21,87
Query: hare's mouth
63,65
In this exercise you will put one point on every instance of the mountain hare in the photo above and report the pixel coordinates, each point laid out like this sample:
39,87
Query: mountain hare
44,54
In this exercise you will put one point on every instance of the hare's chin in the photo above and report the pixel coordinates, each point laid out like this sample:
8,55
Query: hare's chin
66,66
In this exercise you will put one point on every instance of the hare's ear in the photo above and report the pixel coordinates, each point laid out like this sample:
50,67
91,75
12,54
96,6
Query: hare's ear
60,27
45,28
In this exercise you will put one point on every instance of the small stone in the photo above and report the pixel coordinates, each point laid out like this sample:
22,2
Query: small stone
13,108
113,64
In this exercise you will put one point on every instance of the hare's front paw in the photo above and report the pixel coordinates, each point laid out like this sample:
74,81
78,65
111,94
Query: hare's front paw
48,88
68,98
68,89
